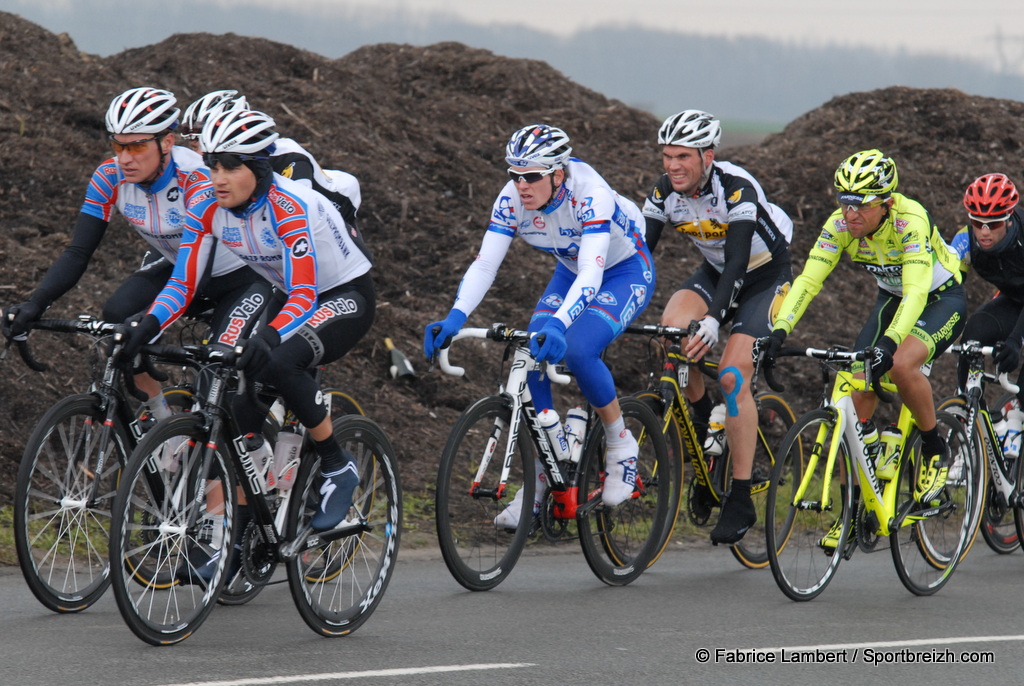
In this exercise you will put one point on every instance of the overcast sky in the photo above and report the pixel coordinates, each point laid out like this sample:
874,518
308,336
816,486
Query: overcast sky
985,30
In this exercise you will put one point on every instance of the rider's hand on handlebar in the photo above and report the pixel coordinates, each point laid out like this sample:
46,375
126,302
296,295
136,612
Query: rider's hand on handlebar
703,336
256,351
438,335
1007,355
18,319
881,362
552,348
139,334
771,345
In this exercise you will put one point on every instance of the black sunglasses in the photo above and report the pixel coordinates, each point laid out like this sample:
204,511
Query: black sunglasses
228,160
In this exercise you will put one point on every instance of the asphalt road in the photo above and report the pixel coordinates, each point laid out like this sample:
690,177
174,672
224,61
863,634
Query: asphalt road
552,621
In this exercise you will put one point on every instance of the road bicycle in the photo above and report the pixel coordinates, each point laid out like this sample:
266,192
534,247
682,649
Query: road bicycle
162,528
69,472
490,457
711,469
827,481
1002,515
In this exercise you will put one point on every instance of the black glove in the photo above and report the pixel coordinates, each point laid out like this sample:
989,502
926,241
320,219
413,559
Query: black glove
256,351
881,362
772,344
18,319
139,334
1007,355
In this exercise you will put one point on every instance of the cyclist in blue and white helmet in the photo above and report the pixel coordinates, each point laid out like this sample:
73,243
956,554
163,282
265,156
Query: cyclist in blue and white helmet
211,104
603,280
744,240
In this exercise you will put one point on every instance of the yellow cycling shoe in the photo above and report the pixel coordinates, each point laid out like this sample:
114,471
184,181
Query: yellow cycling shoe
931,477
830,541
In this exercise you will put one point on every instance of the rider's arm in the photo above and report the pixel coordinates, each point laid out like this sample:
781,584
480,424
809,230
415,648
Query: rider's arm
654,212
737,257
653,234
497,239
593,253
822,259
916,279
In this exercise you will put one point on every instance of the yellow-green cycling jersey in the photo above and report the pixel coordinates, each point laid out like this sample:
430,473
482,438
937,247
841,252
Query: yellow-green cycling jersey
907,256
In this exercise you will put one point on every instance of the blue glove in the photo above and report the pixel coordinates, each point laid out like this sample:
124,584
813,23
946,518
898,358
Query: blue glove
553,348
439,334
143,331
256,351
881,363
17,320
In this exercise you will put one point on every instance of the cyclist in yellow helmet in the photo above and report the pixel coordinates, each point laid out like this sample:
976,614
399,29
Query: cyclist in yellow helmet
921,305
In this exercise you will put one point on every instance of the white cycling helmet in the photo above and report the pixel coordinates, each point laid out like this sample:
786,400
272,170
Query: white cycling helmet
241,132
207,106
691,129
538,145
142,110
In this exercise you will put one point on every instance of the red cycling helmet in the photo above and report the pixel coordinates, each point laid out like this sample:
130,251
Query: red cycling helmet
991,197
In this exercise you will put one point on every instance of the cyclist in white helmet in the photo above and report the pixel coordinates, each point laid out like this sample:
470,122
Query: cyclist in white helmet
149,181
745,243
603,280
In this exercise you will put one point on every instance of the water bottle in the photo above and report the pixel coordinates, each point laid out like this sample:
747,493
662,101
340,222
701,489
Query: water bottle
714,444
892,440
259,452
575,428
1012,440
552,425
286,459
869,434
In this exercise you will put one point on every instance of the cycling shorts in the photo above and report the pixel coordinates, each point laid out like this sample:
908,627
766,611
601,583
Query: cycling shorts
759,299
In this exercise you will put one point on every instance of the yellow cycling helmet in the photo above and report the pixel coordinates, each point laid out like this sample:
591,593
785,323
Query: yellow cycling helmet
864,176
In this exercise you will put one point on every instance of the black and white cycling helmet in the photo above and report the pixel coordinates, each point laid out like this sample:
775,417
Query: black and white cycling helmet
538,145
240,132
209,105
143,110
691,129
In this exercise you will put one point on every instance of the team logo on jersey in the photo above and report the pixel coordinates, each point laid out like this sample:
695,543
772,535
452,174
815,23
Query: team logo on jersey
288,171
135,214
900,224
606,298
552,300
231,236
268,238
503,213
174,217
827,246
538,222
301,247
735,197
893,254
173,193
600,261
912,247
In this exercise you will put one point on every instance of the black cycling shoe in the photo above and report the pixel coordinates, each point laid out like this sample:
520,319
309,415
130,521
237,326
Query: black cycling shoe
737,518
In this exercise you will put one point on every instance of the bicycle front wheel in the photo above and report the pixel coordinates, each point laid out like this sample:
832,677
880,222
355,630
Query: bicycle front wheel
479,552
338,578
62,503
172,531
618,542
928,546
774,418
809,507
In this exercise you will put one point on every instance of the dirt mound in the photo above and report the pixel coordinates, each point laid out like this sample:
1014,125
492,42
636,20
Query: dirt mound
423,129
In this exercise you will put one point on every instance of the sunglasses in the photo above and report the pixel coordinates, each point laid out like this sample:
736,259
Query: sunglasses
857,209
990,224
133,148
529,177
228,160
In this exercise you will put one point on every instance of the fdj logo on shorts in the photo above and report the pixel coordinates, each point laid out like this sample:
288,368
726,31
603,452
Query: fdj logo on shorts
241,316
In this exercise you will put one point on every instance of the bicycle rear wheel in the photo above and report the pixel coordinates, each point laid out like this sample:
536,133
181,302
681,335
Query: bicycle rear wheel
162,534
618,542
927,548
798,518
338,578
774,418
671,472
61,530
479,554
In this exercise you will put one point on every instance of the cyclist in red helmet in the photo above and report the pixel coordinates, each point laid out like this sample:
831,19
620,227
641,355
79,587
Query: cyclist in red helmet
993,244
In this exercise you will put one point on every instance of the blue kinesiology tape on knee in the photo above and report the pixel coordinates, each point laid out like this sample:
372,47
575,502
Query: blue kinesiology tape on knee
731,407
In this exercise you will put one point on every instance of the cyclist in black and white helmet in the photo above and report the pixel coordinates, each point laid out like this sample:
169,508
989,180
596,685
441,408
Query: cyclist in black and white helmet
603,280
744,240
149,181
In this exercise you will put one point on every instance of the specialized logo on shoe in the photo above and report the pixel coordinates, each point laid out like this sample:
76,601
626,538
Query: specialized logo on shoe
327,489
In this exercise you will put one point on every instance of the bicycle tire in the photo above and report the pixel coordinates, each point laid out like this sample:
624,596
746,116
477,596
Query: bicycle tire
337,583
774,419
342,403
479,554
671,471
927,550
795,522
156,532
61,539
997,525
618,542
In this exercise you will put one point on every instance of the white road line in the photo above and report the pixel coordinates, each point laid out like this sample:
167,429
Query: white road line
893,644
405,671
